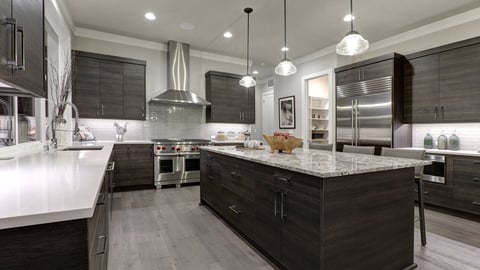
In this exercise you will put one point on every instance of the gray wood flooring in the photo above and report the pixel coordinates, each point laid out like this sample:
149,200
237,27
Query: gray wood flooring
168,230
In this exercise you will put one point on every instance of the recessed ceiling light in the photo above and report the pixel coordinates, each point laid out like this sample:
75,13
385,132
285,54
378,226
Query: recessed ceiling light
187,26
227,34
255,72
284,49
348,18
150,16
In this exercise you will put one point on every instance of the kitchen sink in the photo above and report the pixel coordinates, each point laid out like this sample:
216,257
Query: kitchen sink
82,148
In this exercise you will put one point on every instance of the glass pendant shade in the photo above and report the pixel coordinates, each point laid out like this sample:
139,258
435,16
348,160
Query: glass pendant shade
247,81
285,68
353,43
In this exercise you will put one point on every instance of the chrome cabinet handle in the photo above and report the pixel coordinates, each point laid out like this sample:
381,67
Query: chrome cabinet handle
435,113
282,213
96,107
282,178
104,240
102,109
476,179
234,210
209,172
442,112
476,162
111,166
275,210
143,111
14,57
235,175
22,66
475,203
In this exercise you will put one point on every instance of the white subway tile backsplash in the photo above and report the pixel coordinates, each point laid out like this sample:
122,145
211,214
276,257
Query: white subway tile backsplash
163,121
469,134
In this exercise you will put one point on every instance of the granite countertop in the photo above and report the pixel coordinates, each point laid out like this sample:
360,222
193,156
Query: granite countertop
318,162
449,152
125,142
54,186
227,141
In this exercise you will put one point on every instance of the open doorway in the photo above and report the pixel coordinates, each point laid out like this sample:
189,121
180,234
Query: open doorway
318,103
267,113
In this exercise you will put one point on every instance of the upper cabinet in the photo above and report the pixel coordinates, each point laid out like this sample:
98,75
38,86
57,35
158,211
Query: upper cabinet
21,49
378,68
109,87
231,102
442,84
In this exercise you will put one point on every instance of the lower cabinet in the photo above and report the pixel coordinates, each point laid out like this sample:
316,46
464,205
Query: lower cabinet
133,166
80,244
269,208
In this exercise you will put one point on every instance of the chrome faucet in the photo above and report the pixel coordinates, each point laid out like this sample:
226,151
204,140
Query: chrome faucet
62,120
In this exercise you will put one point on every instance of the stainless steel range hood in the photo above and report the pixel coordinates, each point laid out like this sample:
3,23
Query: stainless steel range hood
178,82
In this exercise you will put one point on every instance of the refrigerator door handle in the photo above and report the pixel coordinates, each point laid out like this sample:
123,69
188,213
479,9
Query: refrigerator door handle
357,131
353,120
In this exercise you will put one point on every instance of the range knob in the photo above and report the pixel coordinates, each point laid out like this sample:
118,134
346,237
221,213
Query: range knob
173,147
164,148
194,149
159,148
178,149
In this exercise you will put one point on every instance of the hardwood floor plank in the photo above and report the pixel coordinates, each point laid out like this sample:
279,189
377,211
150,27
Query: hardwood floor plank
167,229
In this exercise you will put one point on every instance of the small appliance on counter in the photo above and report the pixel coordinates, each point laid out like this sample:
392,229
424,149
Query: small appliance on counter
453,142
120,131
442,142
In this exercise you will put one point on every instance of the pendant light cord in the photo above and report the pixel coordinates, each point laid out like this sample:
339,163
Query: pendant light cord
351,15
285,28
248,39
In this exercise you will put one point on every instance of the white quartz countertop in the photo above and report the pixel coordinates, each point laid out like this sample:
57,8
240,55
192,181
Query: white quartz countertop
318,162
51,186
449,152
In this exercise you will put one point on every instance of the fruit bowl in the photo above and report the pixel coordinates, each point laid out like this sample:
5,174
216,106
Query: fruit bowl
281,143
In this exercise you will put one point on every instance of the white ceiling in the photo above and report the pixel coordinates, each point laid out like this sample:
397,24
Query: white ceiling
312,24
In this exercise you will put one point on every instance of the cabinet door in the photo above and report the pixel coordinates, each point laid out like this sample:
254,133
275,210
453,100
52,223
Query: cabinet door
29,15
268,226
377,70
301,238
226,97
421,90
466,185
86,86
111,89
436,194
123,167
348,76
248,106
134,91
141,158
5,45
26,106
460,84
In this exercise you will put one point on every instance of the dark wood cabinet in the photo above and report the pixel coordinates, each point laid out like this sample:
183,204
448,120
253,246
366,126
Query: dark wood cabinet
466,184
376,68
133,165
109,87
75,244
231,102
441,84
23,65
305,222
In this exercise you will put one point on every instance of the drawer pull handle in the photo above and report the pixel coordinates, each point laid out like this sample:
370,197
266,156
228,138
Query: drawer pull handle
234,210
275,210
476,162
282,178
111,166
282,213
103,238
476,179
475,203
235,175
424,193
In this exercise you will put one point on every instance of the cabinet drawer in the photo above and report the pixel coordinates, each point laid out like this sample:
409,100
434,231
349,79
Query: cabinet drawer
210,183
238,210
237,178
436,194
466,201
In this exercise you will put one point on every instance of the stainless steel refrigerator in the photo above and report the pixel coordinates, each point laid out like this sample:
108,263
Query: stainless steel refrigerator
365,115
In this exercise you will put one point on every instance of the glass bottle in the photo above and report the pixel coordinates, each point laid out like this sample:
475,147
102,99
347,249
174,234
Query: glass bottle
442,141
453,142
428,141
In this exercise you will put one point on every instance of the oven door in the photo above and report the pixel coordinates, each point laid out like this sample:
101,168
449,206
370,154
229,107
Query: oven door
168,167
435,172
192,166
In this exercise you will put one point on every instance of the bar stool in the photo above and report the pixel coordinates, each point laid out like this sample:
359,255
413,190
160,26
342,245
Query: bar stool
366,150
319,146
413,154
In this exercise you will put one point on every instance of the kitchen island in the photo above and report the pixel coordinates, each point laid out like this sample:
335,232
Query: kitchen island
315,209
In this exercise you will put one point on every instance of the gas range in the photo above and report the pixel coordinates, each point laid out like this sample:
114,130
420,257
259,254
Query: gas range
178,146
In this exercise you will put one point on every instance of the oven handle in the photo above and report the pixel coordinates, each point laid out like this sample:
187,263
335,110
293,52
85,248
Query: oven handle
168,155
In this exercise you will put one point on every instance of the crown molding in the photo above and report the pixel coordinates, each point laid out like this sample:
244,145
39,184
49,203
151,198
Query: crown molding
455,20
104,36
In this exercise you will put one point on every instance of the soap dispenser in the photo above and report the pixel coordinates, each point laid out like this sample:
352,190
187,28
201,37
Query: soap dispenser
442,141
428,141
453,142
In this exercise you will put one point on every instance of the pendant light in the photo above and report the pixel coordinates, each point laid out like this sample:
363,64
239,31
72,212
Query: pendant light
285,67
247,80
353,43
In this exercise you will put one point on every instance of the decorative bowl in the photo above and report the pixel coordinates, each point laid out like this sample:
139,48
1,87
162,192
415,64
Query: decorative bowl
281,143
